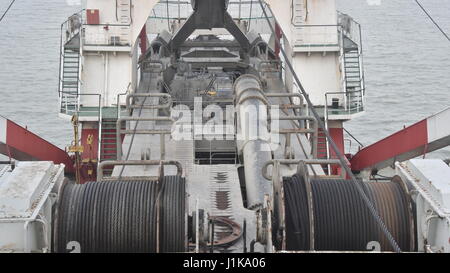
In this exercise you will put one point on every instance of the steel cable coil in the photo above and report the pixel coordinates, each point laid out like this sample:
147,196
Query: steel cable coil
297,220
340,220
122,216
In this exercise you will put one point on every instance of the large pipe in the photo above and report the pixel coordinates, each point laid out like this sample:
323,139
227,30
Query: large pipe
253,136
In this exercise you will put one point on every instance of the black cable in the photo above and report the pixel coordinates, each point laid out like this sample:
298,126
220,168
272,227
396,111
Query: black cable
338,153
9,7
432,20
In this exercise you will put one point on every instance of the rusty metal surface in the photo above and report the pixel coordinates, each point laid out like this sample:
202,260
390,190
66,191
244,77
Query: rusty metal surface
394,207
232,236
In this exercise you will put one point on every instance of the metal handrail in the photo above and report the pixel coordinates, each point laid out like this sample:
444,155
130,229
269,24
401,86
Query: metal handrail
297,162
342,29
104,41
352,30
348,103
160,163
162,133
77,112
166,105
77,96
64,41
236,14
331,29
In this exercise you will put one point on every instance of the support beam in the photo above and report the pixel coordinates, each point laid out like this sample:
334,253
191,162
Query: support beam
428,135
18,143
209,14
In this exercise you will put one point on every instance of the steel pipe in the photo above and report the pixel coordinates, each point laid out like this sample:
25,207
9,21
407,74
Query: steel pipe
255,150
296,162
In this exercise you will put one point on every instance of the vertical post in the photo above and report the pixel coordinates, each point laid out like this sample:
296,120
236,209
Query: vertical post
179,11
118,139
240,9
163,146
288,145
168,17
244,235
158,214
100,116
250,15
212,237
197,228
76,146
315,141
60,60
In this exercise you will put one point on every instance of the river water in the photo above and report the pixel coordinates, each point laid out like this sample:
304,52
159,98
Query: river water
407,65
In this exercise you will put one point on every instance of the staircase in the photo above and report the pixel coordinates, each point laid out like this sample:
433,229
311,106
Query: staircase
124,18
353,75
299,17
322,148
109,141
108,149
352,70
69,79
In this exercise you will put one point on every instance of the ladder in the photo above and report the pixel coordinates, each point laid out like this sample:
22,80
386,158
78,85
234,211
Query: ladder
108,149
322,145
322,148
124,18
352,70
353,77
299,12
108,144
69,86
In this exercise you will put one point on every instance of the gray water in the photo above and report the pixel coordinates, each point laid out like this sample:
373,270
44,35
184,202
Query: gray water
407,65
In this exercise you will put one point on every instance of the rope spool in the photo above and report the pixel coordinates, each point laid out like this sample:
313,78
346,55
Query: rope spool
340,221
122,216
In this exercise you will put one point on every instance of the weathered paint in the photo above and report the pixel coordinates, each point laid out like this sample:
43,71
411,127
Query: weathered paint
408,139
3,122
337,134
439,125
425,136
19,143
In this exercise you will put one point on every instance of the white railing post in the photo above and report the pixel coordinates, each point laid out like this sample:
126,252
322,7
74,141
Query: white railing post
99,128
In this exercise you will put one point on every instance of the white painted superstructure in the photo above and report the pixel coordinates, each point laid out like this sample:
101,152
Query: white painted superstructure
28,192
128,96
430,182
110,49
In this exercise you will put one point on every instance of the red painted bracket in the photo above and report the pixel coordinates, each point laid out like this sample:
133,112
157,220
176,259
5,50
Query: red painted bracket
425,136
18,143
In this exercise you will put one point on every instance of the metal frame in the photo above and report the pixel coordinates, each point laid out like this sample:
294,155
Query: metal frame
131,106
297,162
120,131
161,163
